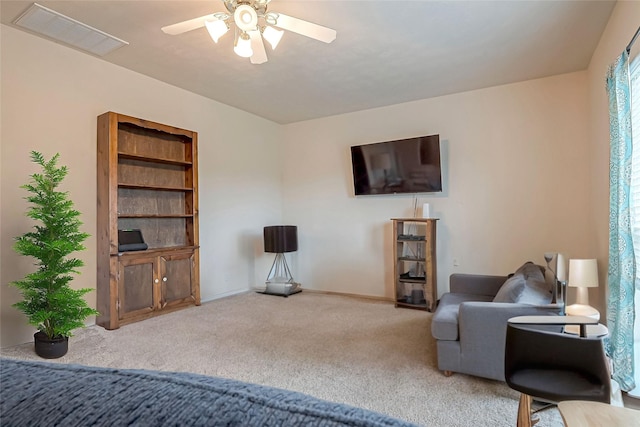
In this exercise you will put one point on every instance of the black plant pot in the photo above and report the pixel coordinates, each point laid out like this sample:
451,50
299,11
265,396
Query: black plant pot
50,348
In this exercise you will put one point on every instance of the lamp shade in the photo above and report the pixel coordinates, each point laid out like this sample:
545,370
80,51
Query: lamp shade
583,273
243,46
273,36
217,29
280,238
561,268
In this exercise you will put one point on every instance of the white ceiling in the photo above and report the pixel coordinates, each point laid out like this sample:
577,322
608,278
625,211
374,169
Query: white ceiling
386,52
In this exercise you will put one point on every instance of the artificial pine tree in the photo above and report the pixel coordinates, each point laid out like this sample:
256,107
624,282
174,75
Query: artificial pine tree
49,302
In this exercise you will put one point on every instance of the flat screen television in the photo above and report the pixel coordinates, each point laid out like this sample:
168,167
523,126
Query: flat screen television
409,165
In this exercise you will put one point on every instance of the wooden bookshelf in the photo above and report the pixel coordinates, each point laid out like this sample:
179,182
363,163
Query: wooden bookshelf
147,180
414,263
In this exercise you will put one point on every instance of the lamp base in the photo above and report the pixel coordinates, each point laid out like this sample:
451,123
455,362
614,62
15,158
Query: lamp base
582,310
588,311
283,289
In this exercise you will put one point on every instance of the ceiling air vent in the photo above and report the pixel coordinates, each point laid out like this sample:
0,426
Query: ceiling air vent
58,27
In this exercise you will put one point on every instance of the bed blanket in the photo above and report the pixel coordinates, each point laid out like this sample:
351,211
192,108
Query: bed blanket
56,394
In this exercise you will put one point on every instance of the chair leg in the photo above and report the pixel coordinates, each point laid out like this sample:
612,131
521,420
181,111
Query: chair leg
524,411
447,373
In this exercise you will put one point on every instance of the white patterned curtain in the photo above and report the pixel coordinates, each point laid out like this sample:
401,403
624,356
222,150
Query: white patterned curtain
621,271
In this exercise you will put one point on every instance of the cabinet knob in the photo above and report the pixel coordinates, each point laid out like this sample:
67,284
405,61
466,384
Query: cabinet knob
164,279
156,281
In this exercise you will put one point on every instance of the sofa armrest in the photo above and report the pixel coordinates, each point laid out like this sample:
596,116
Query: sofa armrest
475,284
483,329
482,318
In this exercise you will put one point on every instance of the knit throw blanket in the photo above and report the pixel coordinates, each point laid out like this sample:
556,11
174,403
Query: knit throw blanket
55,394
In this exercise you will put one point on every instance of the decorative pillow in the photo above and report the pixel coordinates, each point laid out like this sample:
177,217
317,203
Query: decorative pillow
531,271
511,290
550,280
526,286
536,290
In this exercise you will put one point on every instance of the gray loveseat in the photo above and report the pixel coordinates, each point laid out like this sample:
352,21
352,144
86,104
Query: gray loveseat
470,322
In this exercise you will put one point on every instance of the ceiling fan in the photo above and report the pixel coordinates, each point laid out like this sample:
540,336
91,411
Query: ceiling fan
252,23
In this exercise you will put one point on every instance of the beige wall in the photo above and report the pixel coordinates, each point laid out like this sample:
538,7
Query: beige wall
619,31
516,184
51,96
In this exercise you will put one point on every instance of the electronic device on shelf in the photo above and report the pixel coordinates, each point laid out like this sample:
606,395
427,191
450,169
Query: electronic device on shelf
131,240
410,237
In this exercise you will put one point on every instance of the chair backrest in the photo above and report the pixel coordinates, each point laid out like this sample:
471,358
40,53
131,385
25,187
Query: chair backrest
534,350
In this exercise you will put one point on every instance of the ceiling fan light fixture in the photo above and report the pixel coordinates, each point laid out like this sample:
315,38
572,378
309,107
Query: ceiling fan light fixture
273,36
217,29
246,17
271,18
243,45
253,26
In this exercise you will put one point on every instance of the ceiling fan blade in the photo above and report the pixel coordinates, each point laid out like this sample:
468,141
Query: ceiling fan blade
191,24
304,28
257,45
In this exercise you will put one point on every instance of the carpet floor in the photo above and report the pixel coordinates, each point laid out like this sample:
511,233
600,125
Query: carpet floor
356,351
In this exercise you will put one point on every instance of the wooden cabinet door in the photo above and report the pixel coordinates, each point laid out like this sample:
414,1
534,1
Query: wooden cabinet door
177,279
138,292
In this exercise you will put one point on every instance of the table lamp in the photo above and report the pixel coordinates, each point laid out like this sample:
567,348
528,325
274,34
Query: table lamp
558,295
583,274
279,239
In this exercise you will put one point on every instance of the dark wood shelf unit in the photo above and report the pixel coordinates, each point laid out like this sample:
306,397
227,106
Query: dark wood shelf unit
152,187
157,251
416,280
147,180
414,263
141,158
155,216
